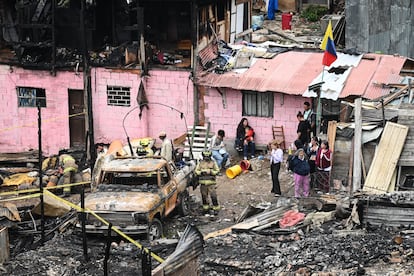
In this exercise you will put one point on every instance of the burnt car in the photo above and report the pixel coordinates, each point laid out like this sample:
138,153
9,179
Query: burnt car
135,194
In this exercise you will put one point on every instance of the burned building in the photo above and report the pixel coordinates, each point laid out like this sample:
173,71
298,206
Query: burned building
87,60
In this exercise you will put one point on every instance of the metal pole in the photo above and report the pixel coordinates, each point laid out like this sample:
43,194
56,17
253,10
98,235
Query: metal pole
42,205
108,246
194,53
83,218
383,112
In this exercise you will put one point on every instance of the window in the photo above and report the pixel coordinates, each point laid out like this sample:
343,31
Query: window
258,104
31,97
118,96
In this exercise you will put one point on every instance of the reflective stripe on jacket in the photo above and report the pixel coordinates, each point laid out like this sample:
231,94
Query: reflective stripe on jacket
211,168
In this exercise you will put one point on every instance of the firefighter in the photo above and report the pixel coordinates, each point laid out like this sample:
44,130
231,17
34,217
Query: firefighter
144,148
67,169
206,170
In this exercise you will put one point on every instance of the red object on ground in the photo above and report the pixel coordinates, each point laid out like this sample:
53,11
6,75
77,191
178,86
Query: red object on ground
291,218
245,165
286,21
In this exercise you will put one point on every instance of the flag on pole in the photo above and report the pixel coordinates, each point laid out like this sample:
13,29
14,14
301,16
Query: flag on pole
328,46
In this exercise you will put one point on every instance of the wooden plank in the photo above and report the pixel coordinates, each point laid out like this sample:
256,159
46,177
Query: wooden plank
391,188
4,245
196,145
356,176
406,117
190,128
199,140
332,134
393,96
217,233
385,159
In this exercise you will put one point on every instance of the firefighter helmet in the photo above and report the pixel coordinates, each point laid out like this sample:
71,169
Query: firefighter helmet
144,142
206,153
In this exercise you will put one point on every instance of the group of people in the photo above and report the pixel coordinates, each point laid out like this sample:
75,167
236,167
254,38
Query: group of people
310,162
311,167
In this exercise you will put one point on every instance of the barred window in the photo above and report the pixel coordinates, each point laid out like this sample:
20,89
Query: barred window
31,97
118,95
259,104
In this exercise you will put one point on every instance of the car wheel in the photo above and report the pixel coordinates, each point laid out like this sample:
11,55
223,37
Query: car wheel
184,206
155,230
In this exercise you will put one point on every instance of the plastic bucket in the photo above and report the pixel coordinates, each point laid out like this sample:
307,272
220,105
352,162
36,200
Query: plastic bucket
286,21
233,171
245,165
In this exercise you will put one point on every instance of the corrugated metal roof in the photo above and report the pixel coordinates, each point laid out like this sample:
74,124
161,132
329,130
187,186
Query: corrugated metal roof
380,69
292,72
284,73
334,82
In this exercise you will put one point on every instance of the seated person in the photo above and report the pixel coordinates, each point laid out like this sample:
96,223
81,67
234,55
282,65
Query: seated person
249,146
218,149
245,138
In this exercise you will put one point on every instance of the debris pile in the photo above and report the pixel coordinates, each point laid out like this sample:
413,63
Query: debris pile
328,249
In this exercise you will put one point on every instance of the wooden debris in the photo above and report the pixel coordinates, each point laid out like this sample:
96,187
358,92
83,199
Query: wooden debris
19,157
386,157
4,245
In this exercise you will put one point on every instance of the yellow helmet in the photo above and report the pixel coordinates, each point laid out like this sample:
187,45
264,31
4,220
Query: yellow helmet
144,142
206,153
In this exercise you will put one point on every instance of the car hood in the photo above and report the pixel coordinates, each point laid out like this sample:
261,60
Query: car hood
122,201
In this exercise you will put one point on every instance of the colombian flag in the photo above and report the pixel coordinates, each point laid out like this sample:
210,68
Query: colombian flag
328,46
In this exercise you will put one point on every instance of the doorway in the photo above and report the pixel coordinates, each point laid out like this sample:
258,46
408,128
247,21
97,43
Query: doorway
76,118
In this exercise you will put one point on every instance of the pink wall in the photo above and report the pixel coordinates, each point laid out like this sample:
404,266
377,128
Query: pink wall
18,126
171,88
284,114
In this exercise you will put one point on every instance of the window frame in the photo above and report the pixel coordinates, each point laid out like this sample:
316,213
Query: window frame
261,109
30,96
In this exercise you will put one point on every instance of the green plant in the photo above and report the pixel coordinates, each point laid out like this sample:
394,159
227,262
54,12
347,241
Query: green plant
314,12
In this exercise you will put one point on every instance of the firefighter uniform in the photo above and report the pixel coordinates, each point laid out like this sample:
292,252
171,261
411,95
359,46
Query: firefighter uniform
206,170
69,167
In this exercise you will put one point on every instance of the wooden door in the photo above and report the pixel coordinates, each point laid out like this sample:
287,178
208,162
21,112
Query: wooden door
76,118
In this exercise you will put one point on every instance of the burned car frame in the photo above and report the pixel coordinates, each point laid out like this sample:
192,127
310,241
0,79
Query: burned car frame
135,194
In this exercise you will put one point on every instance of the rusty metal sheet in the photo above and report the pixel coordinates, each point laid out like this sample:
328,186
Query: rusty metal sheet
134,165
122,201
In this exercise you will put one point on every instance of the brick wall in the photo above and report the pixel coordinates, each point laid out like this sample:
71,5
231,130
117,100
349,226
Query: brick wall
228,117
171,88
164,89
18,126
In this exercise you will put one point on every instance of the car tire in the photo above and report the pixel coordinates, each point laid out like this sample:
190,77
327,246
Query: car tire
155,230
184,206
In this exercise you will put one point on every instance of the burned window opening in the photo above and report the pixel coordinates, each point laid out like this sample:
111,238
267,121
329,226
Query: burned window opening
31,97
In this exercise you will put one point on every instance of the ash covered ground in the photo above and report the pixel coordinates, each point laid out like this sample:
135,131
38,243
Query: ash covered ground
330,249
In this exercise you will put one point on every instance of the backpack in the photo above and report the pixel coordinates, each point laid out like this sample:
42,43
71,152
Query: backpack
290,162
